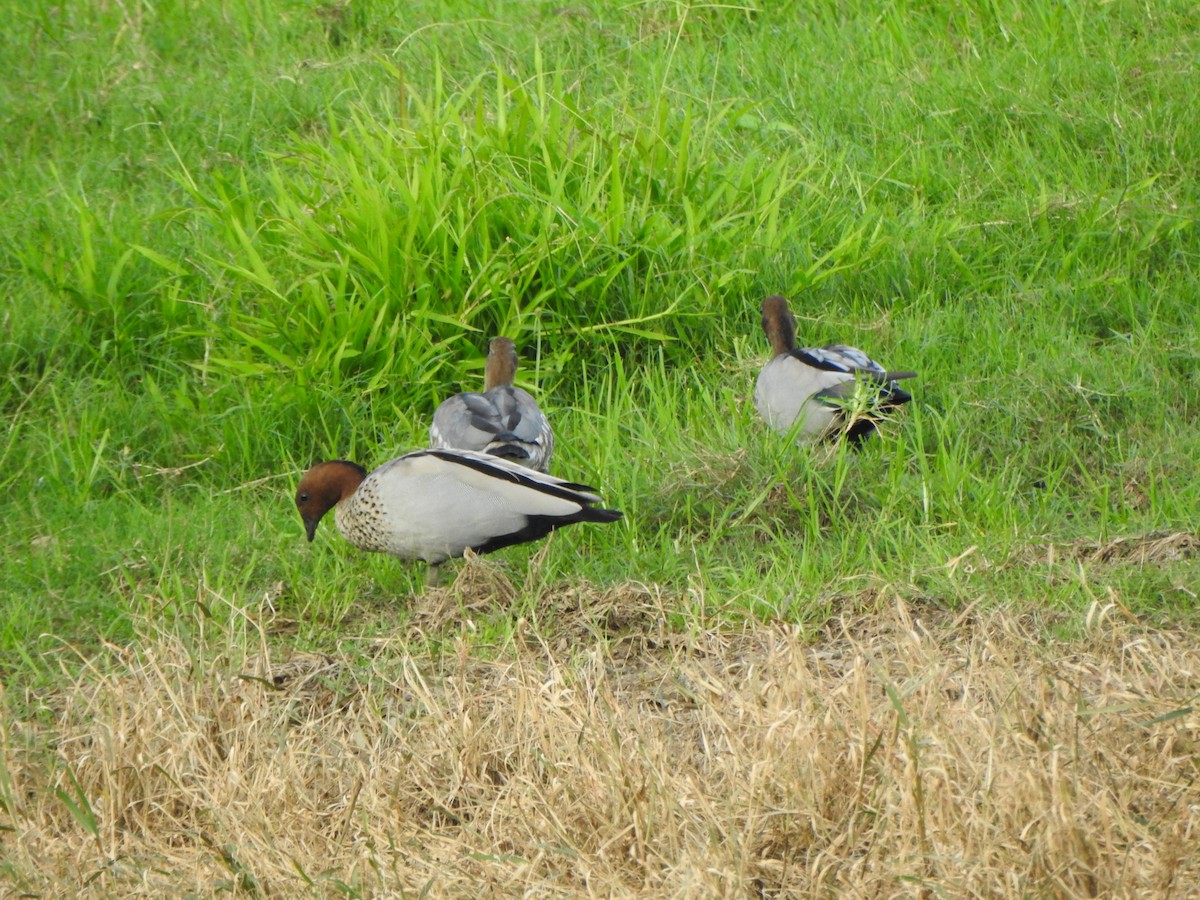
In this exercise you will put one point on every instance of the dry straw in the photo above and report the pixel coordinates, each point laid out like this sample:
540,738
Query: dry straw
897,751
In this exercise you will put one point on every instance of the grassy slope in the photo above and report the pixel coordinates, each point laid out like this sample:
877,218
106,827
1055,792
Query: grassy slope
238,236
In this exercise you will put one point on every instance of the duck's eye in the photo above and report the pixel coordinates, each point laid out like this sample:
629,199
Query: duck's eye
303,498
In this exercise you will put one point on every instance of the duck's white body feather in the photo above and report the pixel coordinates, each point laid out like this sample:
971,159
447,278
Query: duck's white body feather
435,504
786,397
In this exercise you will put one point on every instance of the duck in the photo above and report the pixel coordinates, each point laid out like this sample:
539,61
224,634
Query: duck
807,391
435,504
502,421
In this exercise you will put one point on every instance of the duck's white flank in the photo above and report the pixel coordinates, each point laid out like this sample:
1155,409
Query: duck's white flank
503,421
434,505
785,395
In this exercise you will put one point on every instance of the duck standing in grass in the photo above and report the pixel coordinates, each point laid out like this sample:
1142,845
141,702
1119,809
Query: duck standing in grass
821,392
503,421
436,504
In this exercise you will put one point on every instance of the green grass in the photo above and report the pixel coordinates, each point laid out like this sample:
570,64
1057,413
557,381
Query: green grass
240,236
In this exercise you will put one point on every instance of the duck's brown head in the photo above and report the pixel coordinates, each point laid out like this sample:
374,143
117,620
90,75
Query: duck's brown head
501,366
779,325
323,487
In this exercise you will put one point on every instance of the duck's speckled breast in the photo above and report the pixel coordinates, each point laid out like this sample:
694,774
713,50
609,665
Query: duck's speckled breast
362,519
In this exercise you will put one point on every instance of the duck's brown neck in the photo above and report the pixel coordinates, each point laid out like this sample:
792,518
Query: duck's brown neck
779,325
345,477
501,366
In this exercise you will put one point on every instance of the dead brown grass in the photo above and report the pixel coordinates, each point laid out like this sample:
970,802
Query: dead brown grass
1140,550
896,752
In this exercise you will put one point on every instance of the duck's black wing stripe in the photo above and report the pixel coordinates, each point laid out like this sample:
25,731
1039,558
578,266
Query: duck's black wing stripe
539,526
890,394
837,394
567,490
508,450
823,362
895,396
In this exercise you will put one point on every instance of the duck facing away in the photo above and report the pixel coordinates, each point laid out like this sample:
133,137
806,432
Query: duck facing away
436,504
502,421
810,389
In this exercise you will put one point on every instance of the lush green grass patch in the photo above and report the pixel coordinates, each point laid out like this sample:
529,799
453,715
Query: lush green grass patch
241,236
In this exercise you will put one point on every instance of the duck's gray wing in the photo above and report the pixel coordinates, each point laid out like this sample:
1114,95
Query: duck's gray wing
524,433
843,359
484,502
504,422
467,421
847,359
434,504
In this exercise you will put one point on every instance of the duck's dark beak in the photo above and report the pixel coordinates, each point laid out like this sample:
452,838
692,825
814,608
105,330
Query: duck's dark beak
310,527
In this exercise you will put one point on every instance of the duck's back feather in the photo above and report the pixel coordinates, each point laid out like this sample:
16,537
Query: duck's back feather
504,421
